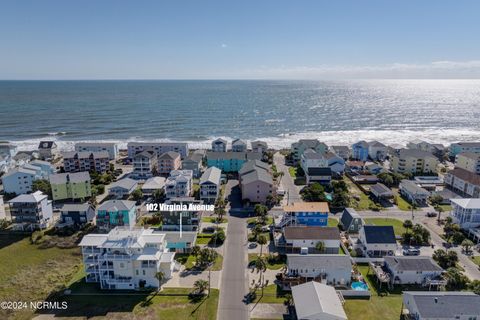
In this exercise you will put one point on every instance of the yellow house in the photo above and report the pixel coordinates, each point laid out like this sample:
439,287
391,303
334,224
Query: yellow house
72,186
414,162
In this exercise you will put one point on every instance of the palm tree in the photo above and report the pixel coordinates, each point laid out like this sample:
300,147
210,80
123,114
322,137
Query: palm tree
407,224
200,286
439,210
261,266
195,251
467,244
262,240
320,246
160,276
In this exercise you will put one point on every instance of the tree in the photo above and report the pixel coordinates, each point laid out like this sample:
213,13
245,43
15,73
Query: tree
220,209
261,266
218,237
439,210
206,257
261,211
467,244
43,186
200,286
160,276
340,199
195,251
262,240
320,246
445,259
137,194
436,200
407,224
475,286
158,195
455,279
313,193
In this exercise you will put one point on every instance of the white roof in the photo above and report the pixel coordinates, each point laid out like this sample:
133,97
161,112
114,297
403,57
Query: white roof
314,300
35,197
154,183
473,203
93,240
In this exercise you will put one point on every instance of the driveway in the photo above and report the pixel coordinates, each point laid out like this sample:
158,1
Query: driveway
292,192
268,311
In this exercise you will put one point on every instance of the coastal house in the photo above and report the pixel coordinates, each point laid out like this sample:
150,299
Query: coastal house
86,161
440,305
153,184
239,145
377,241
114,213
298,148
46,168
312,159
354,165
414,162
189,220
462,147
230,162
374,168
334,269
468,161
256,182
251,166
180,242
31,211
219,145
71,186
381,191
304,239
319,175
412,269
109,147
360,151
126,258
48,150
341,151
377,151
158,147
351,221
144,164
19,180
8,149
168,162
318,167
434,148
210,184
334,162
314,300
306,213
122,188
259,146
413,193
194,162
179,184
464,182
466,212
77,214
22,158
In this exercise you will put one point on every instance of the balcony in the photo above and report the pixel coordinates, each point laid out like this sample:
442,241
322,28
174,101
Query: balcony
115,257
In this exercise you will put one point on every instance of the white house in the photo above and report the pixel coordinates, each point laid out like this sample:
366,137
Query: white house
377,150
153,184
33,210
317,301
210,185
109,147
126,258
179,184
466,212
412,269
158,147
239,145
299,238
335,269
378,241
259,146
219,145
19,181
122,188
468,161
8,149
464,182
441,305
413,193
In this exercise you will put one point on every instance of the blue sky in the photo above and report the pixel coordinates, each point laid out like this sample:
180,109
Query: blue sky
239,39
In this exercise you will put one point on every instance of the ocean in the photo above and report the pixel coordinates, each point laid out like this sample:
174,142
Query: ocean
279,112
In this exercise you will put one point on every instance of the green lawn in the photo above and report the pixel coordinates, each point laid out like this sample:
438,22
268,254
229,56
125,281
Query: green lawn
204,238
277,265
29,273
332,222
188,261
292,171
252,238
214,220
271,294
446,207
254,220
476,259
397,224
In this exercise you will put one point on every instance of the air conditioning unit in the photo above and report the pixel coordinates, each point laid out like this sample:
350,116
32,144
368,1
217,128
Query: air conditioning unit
304,250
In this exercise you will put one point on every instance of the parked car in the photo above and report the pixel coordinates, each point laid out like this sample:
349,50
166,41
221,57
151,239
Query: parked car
252,245
411,252
431,214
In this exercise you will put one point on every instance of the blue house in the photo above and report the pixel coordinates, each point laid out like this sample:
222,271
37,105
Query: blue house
307,213
114,213
180,242
230,161
360,151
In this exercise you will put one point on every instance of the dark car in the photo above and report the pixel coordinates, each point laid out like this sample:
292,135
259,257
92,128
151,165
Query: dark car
431,214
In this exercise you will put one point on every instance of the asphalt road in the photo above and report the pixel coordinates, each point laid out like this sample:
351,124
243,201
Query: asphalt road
234,282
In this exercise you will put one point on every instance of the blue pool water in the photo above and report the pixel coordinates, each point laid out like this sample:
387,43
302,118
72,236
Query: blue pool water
359,286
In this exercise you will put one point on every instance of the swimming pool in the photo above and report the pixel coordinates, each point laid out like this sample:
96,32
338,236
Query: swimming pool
359,286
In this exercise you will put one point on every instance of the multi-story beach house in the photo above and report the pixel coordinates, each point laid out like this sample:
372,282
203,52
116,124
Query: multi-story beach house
8,149
305,238
46,168
462,147
466,212
298,148
86,161
114,213
305,213
219,145
168,162
259,146
414,162
332,269
153,184
464,182
406,270
157,147
126,258
71,186
377,241
468,161
360,151
341,151
20,180
230,161
413,192
194,162
179,184
144,164
109,147
256,182
189,219
48,150
239,145
31,211
377,150
122,188
437,149
210,184
77,213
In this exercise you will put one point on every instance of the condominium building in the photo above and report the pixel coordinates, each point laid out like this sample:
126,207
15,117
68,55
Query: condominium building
464,182
71,186
469,161
414,162
179,184
86,161
34,210
111,148
230,161
144,164
157,147
169,161
462,147
126,258
466,212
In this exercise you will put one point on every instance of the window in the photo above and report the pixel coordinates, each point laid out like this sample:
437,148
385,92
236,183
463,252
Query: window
143,272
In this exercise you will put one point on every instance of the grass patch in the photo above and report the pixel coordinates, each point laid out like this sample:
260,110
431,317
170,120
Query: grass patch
214,220
446,207
272,264
397,224
271,294
293,172
332,222
188,261
254,220
203,238
252,238
476,260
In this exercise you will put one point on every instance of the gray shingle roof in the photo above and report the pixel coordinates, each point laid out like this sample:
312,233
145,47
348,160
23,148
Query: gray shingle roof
125,183
61,178
170,155
313,233
117,205
80,207
251,165
257,175
211,175
414,263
